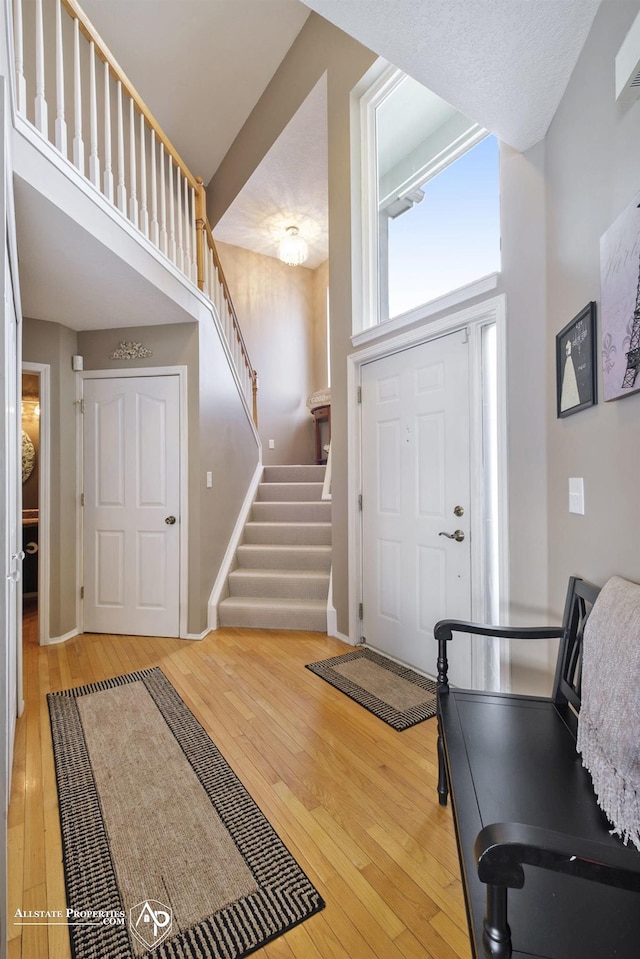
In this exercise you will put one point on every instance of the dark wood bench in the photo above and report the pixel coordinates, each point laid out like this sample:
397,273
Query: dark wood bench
542,875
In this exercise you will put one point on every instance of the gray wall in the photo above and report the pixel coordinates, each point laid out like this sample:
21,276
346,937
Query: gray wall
275,305
54,345
593,147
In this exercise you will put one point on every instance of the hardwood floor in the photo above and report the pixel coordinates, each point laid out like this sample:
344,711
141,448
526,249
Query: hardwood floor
353,800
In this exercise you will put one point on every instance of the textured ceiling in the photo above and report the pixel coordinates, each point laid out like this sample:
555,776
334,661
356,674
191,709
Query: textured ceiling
503,63
289,188
200,65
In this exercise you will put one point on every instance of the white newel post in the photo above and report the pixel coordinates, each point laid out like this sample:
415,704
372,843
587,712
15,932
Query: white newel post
194,238
78,145
122,188
108,172
94,159
133,185
42,120
18,39
61,123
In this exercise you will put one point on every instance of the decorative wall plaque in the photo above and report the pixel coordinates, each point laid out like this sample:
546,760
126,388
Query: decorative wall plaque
128,350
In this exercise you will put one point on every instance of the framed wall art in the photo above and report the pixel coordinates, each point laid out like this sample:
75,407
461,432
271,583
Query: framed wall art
620,304
576,363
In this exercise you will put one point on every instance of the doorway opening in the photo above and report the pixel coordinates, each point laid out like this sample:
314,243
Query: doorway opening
35,498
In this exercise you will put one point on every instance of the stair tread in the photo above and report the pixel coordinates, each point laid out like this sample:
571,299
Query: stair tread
274,546
287,522
274,603
247,571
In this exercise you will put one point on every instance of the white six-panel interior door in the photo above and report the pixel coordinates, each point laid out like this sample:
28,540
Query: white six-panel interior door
415,434
131,515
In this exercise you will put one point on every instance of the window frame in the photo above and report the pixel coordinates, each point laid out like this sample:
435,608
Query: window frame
375,87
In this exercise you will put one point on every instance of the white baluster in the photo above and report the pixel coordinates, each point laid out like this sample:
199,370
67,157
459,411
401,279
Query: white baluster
187,230
94,159
42,120
194,238
144,215
78,145
133,186
154,192
61,123
108,172
180,250
21,83
122,189
163,204
172,211
207,267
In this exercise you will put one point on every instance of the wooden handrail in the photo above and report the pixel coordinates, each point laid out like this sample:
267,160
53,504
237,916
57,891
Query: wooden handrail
225,289
89,31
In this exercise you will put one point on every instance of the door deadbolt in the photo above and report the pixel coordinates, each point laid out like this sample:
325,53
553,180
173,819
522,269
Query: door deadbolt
170,520
458,535
458,510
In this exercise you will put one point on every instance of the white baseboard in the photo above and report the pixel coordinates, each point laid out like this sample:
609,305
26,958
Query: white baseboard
234,542
54,640
197,636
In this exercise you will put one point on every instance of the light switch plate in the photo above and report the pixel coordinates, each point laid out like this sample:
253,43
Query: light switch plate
272,444
209,479
576,495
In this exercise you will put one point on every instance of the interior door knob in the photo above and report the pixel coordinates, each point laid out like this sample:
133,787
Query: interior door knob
170,520
458,535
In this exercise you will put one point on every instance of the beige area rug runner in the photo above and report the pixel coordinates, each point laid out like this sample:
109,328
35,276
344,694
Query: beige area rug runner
394,693
165,852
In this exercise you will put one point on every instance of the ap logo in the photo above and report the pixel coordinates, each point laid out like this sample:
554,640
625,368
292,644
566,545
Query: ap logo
150,922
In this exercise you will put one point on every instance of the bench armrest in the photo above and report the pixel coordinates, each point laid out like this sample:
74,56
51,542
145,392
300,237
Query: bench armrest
444,629
502,849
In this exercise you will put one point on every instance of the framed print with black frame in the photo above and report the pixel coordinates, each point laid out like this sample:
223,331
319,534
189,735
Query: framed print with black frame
576,363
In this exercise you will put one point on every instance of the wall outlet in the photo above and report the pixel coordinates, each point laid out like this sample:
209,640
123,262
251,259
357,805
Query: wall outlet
272,444
209,479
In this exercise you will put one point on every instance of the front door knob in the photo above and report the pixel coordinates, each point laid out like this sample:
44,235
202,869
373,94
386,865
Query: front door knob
170,520
458,535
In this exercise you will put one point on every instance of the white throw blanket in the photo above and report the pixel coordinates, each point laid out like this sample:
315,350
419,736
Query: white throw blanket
609,720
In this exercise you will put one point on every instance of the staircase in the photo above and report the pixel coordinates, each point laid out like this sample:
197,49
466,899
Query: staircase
281,579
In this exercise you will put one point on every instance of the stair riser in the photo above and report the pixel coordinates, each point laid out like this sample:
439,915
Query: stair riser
256,557
293,474
274,587
293,492
273,619
283,534
311,512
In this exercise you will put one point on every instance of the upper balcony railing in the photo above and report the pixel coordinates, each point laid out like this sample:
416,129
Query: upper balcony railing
117,144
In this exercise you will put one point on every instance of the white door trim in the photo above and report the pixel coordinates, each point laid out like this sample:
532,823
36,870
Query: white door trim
181,373
44,497
473,317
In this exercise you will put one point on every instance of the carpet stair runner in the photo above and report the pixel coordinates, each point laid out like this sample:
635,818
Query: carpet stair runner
281,574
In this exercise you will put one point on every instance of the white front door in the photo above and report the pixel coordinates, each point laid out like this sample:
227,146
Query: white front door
131,505
415,487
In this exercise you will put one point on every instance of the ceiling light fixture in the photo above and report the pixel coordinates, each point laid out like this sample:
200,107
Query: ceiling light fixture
293,249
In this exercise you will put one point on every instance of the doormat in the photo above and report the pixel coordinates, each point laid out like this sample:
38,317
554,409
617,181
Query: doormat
394,693
165,853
